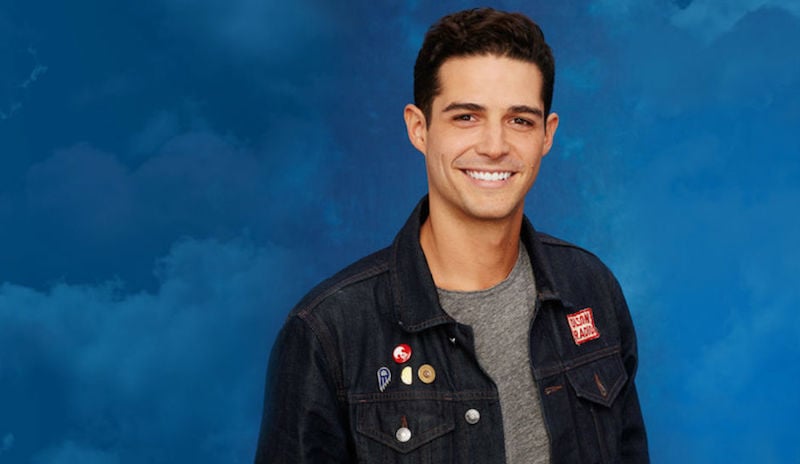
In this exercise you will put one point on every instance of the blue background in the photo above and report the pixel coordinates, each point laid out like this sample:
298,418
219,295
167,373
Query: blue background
175,174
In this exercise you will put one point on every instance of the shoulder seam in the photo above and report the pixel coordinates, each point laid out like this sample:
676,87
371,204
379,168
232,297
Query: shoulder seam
328,348
549,240
363,275
319,329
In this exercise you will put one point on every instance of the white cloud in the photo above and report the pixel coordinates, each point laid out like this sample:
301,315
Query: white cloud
18,89
36,72
126,370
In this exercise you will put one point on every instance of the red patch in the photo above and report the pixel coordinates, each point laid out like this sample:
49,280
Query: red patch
582,326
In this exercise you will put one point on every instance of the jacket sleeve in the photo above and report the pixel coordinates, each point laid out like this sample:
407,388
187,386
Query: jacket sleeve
633,447
303,421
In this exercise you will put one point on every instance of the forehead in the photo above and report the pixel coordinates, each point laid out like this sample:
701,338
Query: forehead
489,79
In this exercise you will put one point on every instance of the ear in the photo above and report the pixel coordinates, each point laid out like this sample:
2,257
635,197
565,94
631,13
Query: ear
416,126
550,132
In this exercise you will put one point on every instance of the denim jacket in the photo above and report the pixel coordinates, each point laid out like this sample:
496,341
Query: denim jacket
336,394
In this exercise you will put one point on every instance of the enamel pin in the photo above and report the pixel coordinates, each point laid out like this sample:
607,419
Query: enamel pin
384,377
426,373
401,353
407,375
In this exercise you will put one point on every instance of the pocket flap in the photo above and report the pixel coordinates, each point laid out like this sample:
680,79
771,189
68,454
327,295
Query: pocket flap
426,420
599,381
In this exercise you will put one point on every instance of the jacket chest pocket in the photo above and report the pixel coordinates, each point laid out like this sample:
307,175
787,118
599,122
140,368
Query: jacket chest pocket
599,384
599,381
404,431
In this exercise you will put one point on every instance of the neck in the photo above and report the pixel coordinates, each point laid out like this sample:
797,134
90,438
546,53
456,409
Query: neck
466,254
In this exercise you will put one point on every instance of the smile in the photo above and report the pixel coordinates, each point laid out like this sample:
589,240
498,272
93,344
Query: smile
490,176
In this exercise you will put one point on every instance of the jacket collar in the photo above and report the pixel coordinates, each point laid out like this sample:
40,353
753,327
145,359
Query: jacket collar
416,302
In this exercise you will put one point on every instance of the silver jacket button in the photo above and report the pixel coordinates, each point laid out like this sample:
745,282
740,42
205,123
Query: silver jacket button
403,434
472,416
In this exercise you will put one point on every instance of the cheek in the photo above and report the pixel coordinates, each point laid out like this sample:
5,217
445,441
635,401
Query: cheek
440,154
436,163
452,143
535,165
532,161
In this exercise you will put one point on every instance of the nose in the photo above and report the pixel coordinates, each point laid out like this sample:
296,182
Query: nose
493,142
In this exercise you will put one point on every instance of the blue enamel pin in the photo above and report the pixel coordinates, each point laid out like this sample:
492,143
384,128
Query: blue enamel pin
384,377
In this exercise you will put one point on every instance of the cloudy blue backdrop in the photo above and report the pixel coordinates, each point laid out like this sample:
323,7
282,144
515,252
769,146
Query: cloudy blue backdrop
175,174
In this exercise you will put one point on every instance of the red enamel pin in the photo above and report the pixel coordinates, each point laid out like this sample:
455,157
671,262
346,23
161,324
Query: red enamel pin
582,326
401,353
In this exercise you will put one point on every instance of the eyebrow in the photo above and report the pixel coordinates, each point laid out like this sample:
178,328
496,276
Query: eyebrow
527,109
464,106
460,106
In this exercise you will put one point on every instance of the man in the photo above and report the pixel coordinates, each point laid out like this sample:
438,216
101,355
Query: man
472,338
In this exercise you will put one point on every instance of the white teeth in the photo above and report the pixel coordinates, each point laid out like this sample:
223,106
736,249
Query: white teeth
495,176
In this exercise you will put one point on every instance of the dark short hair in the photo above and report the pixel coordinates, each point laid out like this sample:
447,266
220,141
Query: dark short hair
480,31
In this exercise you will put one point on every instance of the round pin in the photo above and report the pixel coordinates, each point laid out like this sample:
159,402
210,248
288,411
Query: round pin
401,353
407,375
472,416
403,434
426,373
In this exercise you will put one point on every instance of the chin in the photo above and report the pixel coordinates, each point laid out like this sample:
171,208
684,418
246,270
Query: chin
493,213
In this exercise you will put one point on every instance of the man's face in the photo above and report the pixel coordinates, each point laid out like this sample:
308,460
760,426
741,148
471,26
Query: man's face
486,137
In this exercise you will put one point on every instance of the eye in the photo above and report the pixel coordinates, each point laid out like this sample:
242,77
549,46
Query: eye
464,117
521,121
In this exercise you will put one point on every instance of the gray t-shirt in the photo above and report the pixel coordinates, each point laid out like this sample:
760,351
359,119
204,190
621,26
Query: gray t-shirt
500,318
